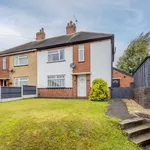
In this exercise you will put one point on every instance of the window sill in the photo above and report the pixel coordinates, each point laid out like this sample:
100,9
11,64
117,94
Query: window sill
81,61
56,61
20,65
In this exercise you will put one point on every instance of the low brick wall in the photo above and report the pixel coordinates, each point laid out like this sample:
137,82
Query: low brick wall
64,92
142,96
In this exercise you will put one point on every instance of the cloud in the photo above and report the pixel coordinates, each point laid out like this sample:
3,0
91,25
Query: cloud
24,18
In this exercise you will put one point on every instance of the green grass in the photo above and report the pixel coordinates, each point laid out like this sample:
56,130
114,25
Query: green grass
43,124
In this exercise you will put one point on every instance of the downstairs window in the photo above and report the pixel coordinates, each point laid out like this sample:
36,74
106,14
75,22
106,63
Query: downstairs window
56,81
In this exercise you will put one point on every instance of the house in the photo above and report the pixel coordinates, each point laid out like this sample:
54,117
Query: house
4,74
141,91
62,66
121,78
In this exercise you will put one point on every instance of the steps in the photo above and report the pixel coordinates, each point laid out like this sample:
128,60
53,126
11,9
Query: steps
138,131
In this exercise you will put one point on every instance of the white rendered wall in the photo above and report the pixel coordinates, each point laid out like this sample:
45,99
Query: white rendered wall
101,61
57,68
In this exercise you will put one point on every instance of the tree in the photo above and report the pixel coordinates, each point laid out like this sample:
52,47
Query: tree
134,54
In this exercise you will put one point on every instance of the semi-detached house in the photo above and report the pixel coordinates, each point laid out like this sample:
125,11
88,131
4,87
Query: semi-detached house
62,66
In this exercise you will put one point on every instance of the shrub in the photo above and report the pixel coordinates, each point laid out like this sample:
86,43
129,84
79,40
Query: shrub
99,90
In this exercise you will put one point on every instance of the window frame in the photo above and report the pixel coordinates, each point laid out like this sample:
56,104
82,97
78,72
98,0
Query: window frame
4,63
19,79
52,52
56,78
17,63
80,48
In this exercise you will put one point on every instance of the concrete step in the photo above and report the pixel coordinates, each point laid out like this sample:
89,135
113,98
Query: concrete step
142,140
138,130
129,123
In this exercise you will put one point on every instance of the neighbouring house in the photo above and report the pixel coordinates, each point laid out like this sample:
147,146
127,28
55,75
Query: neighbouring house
141,91
62,66
21,66
121,78
4,71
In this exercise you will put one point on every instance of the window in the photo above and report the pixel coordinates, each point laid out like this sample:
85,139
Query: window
4,63
56,81
21,81
21,60
56,55
81,53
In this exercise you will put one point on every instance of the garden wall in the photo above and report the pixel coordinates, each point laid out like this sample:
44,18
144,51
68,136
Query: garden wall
142,96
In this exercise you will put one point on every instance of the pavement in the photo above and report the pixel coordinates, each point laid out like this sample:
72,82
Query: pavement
118,108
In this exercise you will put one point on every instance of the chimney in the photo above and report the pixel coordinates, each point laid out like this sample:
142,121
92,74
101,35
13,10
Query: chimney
40,35
70,28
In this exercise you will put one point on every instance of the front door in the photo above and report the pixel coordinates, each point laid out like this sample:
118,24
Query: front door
82,85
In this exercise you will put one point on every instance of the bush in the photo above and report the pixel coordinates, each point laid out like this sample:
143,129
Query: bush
99,90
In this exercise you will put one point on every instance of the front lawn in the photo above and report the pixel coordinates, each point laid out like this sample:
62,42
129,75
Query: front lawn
45,124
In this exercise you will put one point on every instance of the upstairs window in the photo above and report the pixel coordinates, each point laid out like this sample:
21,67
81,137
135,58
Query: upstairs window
56,81
20,60
81,53
4,63
56,55
21,81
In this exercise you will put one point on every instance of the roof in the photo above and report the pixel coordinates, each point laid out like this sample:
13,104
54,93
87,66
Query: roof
122,72
64,40
141,64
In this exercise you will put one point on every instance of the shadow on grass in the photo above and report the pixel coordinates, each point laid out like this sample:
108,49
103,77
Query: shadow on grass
106,100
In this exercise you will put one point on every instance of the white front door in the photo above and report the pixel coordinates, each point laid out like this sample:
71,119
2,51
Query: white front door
82,85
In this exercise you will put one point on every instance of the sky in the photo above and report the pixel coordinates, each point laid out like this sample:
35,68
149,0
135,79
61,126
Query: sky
21,19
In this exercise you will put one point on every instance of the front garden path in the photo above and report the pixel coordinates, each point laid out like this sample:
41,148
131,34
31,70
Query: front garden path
117,108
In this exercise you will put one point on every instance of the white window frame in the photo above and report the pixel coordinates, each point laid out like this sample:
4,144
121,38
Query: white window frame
52,52
24,79
57,79
17,60
4,63
80,49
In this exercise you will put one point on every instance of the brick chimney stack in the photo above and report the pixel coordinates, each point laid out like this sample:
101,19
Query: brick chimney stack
40,35
70,28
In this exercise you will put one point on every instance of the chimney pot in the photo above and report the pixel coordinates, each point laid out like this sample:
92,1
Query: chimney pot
40,35
70,28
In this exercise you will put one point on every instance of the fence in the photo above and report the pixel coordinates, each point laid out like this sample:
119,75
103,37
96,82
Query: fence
14,93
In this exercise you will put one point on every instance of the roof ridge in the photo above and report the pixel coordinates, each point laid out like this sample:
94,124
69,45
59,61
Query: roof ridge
98,32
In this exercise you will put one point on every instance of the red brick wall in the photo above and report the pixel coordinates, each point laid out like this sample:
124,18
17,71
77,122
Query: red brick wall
125,80
82,66
4,73
88,87
47,92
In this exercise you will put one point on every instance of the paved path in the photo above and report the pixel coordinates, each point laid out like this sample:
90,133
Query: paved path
117,108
